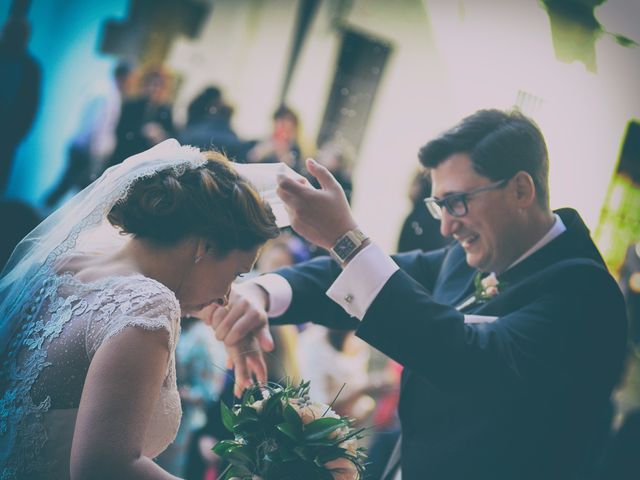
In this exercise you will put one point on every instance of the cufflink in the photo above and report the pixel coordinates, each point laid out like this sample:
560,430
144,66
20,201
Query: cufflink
348,298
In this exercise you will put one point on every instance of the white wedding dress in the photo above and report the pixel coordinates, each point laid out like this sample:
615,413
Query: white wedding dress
51,324
64,325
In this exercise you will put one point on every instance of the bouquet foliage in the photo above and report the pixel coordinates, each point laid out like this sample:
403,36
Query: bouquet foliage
281,434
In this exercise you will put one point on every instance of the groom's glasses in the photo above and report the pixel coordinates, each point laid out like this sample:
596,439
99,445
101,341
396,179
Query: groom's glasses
456,203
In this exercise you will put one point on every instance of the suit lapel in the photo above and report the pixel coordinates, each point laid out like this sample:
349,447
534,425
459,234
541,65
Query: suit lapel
455,282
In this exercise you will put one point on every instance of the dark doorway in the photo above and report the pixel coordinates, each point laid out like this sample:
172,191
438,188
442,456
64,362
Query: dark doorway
358,72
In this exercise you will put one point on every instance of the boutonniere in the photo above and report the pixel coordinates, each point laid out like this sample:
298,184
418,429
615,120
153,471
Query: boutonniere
485,289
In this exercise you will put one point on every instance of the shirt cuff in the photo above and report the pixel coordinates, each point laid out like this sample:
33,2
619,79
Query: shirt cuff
279,291
357,286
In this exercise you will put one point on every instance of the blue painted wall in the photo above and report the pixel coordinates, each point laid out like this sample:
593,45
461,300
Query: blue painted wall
65,38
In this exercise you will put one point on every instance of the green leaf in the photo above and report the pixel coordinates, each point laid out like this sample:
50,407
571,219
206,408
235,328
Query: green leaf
222,447
350,435
228,417
287,455
244,417
625,41
238,471
322,427
328,454
289,431
247,412
292,418
303,453
243,456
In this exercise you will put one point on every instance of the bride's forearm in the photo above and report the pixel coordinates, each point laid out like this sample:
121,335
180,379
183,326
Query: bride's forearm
142,468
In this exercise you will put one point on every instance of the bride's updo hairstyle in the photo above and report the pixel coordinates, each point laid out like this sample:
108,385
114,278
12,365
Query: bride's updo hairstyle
211,201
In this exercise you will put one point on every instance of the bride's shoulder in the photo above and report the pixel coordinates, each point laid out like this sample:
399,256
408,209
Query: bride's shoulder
141,294
131,301
115,282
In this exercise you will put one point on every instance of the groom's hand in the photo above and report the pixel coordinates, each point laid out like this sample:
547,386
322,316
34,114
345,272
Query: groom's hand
322,215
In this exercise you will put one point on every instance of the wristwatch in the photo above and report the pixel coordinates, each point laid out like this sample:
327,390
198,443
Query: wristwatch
347,245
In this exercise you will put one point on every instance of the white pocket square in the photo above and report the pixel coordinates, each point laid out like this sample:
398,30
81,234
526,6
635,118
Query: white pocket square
479,319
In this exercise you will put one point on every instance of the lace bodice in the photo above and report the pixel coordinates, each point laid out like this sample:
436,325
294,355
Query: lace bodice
43,376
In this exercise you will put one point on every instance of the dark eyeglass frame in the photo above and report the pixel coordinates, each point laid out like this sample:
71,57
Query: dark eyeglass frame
435,205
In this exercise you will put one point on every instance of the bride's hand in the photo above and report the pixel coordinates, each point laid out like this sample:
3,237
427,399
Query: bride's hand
243,327
245,314
247,360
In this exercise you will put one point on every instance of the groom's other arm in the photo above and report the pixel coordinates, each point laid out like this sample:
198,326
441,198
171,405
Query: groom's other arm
547,333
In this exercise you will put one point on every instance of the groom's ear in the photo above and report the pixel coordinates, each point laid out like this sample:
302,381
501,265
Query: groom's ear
524,189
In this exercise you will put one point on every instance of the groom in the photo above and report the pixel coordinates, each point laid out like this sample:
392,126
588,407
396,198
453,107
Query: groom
501,381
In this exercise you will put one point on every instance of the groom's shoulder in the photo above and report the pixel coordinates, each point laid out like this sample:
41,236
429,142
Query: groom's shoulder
583,276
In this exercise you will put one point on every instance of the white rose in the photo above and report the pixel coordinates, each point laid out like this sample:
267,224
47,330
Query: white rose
491,291
257,405
310,411
490,281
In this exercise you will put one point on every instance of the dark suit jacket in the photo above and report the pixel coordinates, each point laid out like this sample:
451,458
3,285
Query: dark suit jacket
523,397
135,114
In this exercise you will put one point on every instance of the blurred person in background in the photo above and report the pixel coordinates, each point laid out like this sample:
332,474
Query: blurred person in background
209,124
331,358
282,145
630,285
202,462
95,139
621,461
420,231
18,219
385,423
20,88
145,120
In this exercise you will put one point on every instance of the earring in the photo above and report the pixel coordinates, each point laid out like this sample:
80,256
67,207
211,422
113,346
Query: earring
198,258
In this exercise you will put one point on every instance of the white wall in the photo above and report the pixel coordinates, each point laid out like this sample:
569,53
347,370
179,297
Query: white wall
449,59
243,48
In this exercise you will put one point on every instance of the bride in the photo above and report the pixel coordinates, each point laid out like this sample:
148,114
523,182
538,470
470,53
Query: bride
90,304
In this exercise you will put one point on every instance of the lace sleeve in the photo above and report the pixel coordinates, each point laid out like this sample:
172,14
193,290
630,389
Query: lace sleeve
139,302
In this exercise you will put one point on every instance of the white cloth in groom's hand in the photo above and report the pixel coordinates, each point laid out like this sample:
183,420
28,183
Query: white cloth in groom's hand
264,177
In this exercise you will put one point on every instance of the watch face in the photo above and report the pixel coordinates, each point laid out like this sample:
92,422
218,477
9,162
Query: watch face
344,247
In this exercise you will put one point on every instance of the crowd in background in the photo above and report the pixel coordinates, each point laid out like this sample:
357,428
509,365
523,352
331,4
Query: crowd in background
135,113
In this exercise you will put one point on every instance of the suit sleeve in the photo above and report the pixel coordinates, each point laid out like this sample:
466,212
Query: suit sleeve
576,315
311,280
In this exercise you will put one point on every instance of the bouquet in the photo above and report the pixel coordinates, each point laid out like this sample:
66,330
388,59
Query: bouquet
281,434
